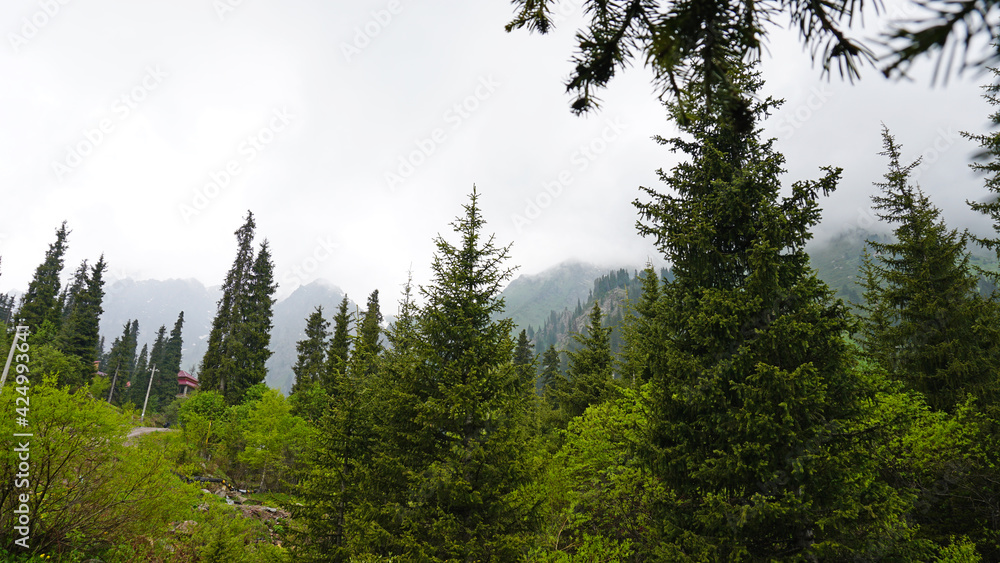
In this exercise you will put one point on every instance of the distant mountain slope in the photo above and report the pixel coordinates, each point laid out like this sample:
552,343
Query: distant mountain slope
290,326
158,302
530,298
547,302
613,291
838,260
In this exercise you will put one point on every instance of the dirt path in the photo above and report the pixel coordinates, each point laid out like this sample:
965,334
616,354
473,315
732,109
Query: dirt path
140,430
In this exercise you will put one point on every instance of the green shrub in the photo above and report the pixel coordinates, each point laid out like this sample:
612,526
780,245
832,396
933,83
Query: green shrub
86,487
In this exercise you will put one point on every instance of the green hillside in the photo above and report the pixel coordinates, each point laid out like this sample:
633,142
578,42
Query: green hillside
838,260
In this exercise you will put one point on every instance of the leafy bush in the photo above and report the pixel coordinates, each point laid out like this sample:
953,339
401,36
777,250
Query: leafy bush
257,443
206,404
172,412
598,498
274,439
86,486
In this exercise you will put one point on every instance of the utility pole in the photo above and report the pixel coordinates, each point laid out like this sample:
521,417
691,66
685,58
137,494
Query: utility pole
10,356
113,380
152,374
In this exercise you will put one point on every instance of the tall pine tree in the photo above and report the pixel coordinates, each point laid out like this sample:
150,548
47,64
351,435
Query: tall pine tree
79,335
340,344
311,362
550,370
925,320
40,302
524,361
164,381
257,322
351,459
225,354
752,382
174,349
342,455
990,165
639,331
588,380
370,329
453,455
238,343
120,363
70,293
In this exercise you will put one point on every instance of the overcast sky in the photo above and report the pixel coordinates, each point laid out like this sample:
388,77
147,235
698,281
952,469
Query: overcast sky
355,131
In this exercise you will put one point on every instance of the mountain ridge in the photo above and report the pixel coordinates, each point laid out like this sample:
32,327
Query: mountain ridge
550,304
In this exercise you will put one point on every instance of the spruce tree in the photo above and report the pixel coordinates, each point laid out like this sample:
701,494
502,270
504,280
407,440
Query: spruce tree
121,361
164,380
370,329
550,369
454,453
257,323
40,302
7,308
71,292
159,347
525,362
238,343
990,165
349,432
927,324
225,353
352,459
340,344
342,456
401,336
80,335
925,320
588,380
311,362
552,385
174,349
639,331
752,383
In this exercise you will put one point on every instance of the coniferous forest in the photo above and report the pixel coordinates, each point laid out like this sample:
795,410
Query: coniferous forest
733,406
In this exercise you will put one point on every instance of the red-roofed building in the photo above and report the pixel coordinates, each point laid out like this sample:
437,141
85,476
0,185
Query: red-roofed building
186,380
